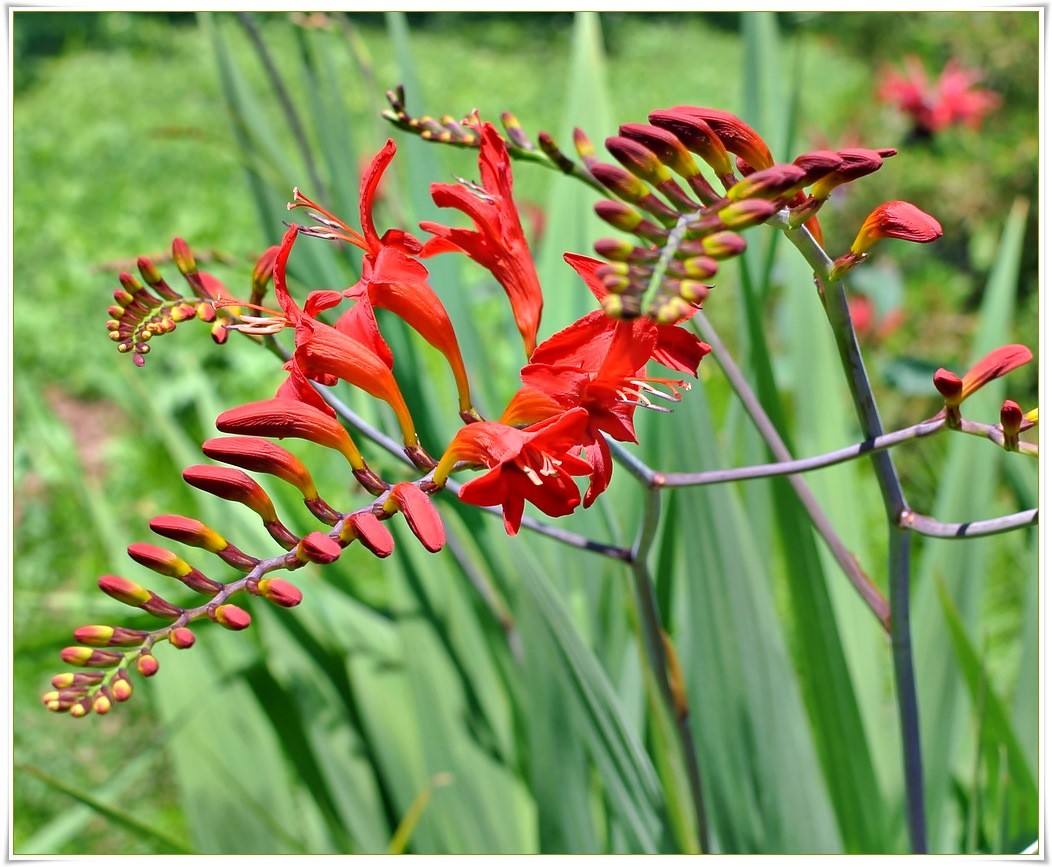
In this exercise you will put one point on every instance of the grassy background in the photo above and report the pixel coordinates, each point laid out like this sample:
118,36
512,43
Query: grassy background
121,142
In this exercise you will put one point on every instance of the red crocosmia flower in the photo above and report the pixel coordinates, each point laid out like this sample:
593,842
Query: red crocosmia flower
896,220
599,364
325,354
951,99
534,464
392,279
499,243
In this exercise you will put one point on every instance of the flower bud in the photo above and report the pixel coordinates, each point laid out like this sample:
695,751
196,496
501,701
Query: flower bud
515,132
109,636
367,529
627,219
181,637
770,183
623,250
262,456
319,548
124,590
262,274
279,418
818,164
280,592
696,267
551,150
628,187
698,137
583,144
89,658
949,385
164,562
420,514
232,617
742,215
1011,422
184,259
231,485
146,663
120,686
858,162
102,702
736,135
189,531
79,679
896,220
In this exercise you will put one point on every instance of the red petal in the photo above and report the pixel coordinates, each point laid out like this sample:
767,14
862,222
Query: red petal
421,515
678,349
995,364
371,178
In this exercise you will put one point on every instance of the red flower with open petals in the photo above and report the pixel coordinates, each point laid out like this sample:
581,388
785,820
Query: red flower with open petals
951,99
499,244
392,278
534,464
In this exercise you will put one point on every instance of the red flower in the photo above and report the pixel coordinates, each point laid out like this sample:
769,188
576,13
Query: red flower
599,364
950,100
499,243
534,464
392,279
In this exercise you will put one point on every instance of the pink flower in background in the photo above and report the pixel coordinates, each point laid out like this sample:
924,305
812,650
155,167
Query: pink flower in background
952,99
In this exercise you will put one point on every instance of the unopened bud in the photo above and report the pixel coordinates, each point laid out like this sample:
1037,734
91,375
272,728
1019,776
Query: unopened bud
742,215
262,456
627,219
124,590
317,547
120,686
231,485
146,663
1011,422
420,514
232,617
184,259
89,658
769,183
189,531
367,529
181,637
515,132
109,636
280,592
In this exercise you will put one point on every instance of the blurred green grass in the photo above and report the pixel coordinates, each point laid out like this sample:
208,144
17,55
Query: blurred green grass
123,143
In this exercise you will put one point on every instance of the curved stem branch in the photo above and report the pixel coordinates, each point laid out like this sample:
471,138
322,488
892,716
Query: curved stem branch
862,583
927,526
800,465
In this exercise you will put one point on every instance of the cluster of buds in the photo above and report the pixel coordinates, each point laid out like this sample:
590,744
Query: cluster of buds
138,315
108,653
956,389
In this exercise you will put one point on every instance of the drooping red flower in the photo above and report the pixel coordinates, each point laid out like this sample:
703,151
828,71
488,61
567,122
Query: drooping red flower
392,278
535,464
498,243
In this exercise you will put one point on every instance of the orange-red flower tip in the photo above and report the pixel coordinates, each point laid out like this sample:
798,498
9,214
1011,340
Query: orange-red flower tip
233,485
900,220
367,529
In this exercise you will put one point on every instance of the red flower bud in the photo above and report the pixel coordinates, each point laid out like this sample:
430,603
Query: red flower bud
367,529
109,636
318,548
232,617
79,679
699,137
1011,422
949,385
146,663
90,658
181,637
420,514
280,592
189,531
769,183
120,686
281,418
627,219
124,590
742,215
231,485
736,135
858,162
896,220
262,456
